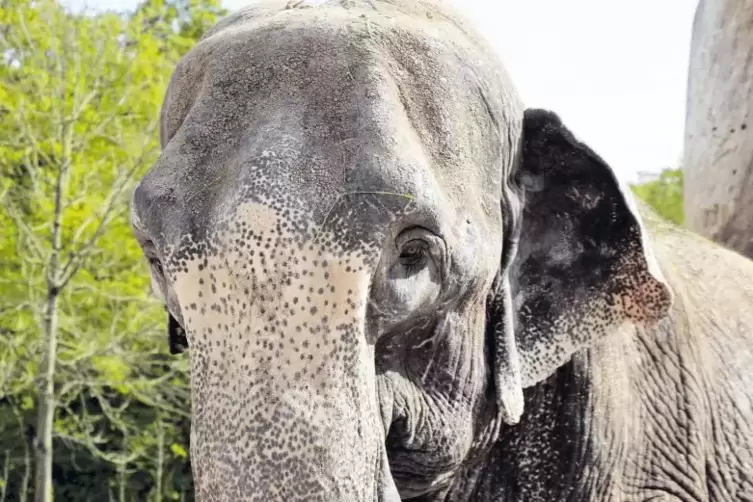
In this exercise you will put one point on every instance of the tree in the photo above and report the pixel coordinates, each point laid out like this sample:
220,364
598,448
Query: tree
664,194
83,368
718,161
71,115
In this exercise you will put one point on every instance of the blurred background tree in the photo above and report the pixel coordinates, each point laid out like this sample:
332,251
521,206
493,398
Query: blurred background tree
665,194
90,402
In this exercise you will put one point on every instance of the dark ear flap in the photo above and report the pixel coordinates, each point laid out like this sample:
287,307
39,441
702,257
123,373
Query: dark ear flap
176,336
581,266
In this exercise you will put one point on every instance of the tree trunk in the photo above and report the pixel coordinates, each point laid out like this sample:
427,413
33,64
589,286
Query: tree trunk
718,153
23,496
160,464
46,405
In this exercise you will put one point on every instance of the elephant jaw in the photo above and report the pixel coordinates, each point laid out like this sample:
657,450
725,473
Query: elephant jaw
283,380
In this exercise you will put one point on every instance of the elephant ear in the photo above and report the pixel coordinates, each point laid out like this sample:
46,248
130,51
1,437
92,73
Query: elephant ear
580,265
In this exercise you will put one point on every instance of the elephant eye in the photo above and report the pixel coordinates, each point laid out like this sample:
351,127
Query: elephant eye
414,277
158,275
156,266
152,257
413,254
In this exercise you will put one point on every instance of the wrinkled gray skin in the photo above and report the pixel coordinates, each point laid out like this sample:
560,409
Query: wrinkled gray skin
373,249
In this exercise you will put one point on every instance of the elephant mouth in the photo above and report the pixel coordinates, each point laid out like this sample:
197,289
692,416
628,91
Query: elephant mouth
415,479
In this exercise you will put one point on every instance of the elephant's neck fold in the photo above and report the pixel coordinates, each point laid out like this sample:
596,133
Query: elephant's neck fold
570,442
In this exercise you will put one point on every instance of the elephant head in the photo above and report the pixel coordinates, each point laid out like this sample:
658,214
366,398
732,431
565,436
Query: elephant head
371,248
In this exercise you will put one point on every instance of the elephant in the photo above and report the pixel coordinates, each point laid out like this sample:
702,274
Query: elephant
718,151
395,281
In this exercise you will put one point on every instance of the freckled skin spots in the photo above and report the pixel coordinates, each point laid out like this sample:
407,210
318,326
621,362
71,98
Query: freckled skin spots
396,283
280,368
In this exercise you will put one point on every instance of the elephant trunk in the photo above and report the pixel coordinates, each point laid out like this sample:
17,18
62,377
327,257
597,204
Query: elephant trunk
283,382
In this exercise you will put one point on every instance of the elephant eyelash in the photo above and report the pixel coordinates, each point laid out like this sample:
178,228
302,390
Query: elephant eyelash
413,255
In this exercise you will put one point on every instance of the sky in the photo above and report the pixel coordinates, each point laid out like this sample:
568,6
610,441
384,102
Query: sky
615,72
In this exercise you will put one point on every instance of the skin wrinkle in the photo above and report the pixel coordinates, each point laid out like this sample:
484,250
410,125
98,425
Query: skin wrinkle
530,351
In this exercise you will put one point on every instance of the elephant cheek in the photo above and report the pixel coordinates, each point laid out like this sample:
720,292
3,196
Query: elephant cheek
283,379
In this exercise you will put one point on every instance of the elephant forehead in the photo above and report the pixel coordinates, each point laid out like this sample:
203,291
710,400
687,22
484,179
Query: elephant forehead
312,104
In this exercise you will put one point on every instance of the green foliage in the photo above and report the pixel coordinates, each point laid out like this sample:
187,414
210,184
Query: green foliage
664,195
79,104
